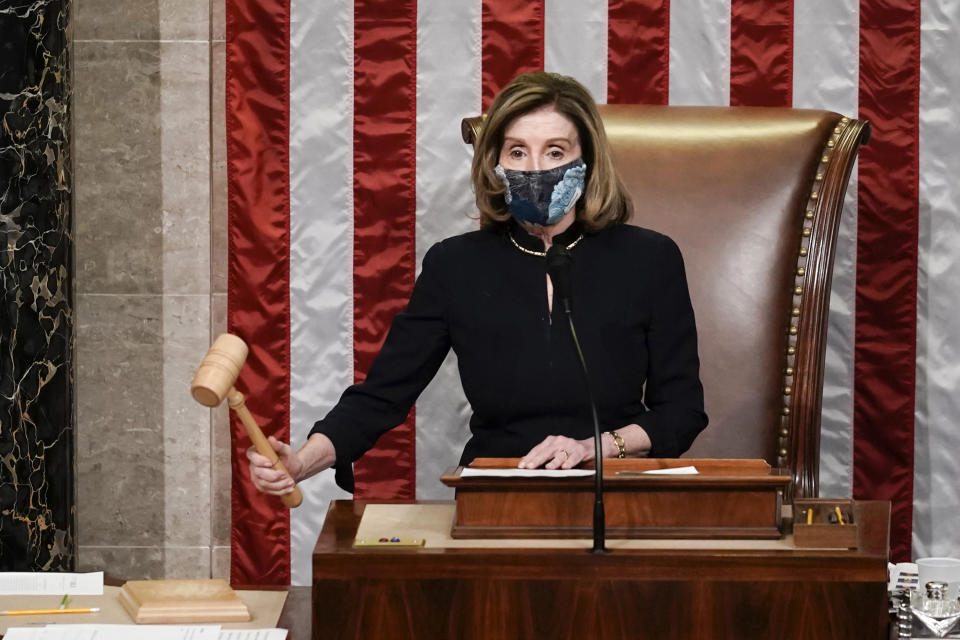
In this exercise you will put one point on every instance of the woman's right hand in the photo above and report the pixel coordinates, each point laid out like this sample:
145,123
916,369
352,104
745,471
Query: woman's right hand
314,456
269,480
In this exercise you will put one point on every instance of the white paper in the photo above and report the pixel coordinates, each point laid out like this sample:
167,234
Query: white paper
674,471
128,631
525,473
24,633
51,584
64,632
148,632
253,634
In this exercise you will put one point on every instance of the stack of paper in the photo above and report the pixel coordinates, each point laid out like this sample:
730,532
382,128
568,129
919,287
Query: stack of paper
13,583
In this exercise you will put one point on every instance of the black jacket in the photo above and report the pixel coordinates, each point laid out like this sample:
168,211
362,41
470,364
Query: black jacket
481,295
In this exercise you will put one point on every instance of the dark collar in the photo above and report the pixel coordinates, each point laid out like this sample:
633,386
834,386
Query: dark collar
534,243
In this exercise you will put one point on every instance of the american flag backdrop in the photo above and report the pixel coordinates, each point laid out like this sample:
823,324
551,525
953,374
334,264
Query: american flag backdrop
346,164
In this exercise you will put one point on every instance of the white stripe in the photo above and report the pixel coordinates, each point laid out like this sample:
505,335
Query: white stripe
936,506
825,76
575,42
448,89
321,247
700,52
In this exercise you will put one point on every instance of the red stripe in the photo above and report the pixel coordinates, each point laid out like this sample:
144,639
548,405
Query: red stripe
638,52
258,115
761,52
512,35
384,161
887,236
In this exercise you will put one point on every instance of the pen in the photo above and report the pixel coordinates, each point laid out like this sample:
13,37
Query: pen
839,515
65,601
44,612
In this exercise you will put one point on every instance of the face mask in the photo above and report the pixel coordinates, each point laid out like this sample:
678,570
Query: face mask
542,198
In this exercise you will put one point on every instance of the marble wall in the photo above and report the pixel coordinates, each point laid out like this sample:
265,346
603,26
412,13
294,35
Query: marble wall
153,465
37,515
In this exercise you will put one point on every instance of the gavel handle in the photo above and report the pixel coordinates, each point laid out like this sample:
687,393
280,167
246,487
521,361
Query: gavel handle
237,403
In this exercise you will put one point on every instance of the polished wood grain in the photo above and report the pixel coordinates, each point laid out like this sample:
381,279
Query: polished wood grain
570,593
726,499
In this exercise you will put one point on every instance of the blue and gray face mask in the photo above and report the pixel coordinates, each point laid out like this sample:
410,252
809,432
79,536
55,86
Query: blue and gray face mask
542,198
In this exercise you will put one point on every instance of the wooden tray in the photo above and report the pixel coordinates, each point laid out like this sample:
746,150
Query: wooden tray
825,531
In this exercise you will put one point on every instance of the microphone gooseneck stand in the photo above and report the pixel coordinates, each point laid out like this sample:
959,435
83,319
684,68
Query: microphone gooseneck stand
559,261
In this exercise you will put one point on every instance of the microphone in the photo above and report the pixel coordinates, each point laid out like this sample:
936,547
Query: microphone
559,262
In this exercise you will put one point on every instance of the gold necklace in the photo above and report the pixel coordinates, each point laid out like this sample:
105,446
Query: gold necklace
541,254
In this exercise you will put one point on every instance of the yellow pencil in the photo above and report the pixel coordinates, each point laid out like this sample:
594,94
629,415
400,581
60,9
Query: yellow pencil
44,612
839,515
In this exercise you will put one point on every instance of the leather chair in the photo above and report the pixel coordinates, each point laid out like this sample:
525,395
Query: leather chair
753,197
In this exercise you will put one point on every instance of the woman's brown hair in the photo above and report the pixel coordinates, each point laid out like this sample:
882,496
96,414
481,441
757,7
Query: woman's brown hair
605,201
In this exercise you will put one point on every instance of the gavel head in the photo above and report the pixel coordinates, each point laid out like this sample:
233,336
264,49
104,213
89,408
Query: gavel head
219,370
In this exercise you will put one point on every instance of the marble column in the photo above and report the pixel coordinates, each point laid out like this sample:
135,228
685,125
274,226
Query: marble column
151,489
37,496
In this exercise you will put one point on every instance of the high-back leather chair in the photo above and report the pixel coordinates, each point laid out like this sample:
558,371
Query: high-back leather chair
753,197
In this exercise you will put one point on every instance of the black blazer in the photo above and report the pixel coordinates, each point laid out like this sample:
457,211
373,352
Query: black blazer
486,298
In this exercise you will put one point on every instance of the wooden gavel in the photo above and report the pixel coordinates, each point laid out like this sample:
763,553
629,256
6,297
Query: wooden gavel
214,382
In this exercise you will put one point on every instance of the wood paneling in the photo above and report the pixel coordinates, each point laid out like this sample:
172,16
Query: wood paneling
570,593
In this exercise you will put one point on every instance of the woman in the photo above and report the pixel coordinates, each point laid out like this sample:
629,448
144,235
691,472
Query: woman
542,174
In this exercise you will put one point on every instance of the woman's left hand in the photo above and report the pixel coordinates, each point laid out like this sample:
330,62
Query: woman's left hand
558,452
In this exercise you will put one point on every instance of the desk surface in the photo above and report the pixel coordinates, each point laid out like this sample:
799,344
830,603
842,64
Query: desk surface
557,592
296,615
865,563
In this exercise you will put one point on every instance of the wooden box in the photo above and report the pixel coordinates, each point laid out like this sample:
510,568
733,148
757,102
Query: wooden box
825,529
726,499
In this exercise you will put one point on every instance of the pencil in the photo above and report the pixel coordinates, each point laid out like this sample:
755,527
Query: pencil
44,612
839,515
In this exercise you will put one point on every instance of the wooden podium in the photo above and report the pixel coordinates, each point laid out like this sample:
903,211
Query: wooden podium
554,588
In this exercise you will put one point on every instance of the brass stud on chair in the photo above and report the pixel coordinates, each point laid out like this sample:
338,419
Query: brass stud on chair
793,330
787,391
803,252
825,158
788,371
791,350
809,214
844,119
783,453
795,312
784,432
806,232
801,271
797,291
814,195
831,143
819,175
786,411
